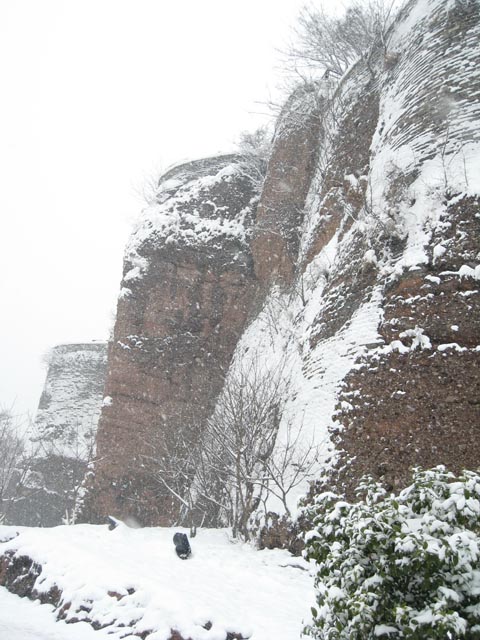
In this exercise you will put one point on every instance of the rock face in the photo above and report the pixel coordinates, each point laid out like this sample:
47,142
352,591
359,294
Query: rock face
63,435
275,242
377,320
187,290
360,279
414,401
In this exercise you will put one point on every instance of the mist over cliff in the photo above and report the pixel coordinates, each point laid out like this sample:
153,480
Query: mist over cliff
46,488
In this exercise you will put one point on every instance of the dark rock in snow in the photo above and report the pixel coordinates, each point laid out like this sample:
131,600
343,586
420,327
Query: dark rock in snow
113,523
182,545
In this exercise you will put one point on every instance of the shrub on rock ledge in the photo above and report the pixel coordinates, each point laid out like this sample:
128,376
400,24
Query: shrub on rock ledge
405,566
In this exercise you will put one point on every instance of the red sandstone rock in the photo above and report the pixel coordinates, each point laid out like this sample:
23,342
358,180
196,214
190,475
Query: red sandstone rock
178,322
408,247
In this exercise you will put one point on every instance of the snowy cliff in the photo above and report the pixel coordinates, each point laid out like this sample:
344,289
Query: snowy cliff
63,438
379,328
352,287
72,397
187,289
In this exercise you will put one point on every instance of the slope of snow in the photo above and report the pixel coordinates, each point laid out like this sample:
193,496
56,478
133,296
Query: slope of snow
132,581
280,338
22,619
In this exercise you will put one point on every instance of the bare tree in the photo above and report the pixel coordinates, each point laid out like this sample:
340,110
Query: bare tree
172,462
239,439
255,149
59,463
214,476
12,460
79,461
329,45
290,464
221,472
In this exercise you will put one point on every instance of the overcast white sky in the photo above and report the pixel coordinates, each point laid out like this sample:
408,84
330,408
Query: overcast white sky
97,95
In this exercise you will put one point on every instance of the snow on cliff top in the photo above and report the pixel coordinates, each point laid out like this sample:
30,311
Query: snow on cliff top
260,594
192,208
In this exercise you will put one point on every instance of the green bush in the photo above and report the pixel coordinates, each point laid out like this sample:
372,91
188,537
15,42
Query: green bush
405,566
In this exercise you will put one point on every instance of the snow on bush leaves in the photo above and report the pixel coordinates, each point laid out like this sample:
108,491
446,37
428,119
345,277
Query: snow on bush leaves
405,566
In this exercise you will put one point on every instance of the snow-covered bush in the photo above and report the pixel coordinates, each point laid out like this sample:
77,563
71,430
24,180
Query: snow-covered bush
403,566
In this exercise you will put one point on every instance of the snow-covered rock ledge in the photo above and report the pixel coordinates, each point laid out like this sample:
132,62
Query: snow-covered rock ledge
129,583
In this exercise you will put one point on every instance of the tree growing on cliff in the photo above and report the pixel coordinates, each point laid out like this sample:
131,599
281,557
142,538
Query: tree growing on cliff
329,45
219,476
290,464
255,149
243,462
405,566
222,472
172,463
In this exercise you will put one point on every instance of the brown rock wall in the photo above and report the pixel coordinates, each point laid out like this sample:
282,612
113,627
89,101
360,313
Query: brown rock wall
275,241
187,302
414,400
175,334
422,407
345,154
418,409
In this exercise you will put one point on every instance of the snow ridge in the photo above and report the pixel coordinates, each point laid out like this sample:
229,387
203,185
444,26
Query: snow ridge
130,581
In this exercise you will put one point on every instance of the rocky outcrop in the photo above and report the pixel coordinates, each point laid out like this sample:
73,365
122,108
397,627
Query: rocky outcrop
63,439
379,324
414,400
359,278
186,294
20,574
71,400
275,241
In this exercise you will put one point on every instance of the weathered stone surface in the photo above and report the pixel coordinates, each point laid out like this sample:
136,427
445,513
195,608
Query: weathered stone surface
187,291
275,242
18,574
71,400
421,408
415,403
381,324
344,160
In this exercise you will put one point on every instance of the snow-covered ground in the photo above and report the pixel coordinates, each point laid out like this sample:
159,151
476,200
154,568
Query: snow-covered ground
132,580
21,619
